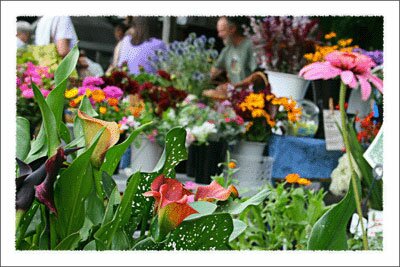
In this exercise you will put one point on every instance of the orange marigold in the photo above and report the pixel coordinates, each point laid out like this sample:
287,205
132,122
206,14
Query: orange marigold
103,110
232,165
98,96
303,181
292,178
112,101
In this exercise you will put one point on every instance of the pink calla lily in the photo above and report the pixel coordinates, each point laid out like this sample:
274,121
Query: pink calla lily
215,191
353,68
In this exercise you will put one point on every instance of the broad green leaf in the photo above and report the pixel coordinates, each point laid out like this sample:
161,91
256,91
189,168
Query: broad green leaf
114,154
44,235
106,232
366,170
24,224
38,146
49,122
108,184
238,229
90,246
71,190
329,232
147,244
23,138
55,100
120,241
65,134
174,152
70,242
87,107
209,232
203,207
95,208
235,208
76,142
67,65
114,200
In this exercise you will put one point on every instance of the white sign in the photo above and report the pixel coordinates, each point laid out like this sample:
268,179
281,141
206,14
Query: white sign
333,137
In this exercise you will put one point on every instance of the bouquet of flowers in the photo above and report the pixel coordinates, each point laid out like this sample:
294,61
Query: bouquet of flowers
262,112
281,42
43,78
189,63
331,44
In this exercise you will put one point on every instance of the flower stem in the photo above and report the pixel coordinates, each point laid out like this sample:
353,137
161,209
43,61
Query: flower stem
353,177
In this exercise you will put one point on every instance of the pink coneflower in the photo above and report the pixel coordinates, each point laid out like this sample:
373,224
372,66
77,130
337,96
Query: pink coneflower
354,69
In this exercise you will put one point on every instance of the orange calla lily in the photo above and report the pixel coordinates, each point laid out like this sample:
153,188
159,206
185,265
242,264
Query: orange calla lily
109,137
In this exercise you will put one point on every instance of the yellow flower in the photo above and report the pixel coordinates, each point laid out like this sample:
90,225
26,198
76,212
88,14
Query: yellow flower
330,35
103,110
345,42
71,93
292,178
270,121
269,97
88,92
258,113
98,96
232,165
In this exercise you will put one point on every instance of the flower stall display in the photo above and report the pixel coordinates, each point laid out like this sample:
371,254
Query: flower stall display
280,44
354,70
307,125
189,63
26,74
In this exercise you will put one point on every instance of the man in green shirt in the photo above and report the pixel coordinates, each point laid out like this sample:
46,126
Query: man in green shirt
237,58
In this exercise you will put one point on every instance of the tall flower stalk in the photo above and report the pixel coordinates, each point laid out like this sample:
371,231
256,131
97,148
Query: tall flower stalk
354,70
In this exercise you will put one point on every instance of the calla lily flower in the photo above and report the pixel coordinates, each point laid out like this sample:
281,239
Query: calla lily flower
171,203
215,191
37,179
354,69
110,136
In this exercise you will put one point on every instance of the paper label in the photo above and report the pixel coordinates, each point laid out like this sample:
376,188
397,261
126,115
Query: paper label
355,226
374,153
333,137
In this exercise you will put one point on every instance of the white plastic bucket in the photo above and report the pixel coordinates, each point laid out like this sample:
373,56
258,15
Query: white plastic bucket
145,157
287,85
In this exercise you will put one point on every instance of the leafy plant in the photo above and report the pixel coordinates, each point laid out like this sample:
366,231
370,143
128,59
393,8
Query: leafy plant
282,221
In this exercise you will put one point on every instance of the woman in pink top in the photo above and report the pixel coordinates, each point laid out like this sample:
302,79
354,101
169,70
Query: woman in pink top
140,44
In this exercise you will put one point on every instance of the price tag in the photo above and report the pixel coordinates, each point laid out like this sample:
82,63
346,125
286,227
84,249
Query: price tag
333,137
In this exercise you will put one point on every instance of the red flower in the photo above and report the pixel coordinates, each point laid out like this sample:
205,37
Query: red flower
215,191
171,203
164,74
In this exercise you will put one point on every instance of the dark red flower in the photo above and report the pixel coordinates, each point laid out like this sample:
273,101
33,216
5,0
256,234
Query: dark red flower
164,74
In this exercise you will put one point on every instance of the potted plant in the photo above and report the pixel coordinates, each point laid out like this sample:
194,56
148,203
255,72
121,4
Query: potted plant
262,112
280,43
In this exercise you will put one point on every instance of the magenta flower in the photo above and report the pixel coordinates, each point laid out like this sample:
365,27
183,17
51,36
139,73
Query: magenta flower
27,93
92,81
24,87
19,82
354,69
113,92
45,92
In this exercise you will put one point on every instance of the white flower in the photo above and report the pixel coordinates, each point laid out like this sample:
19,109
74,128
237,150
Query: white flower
201,132
341,176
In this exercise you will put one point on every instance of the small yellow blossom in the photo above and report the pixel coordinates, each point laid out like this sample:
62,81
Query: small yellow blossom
103,110
71,93
330,35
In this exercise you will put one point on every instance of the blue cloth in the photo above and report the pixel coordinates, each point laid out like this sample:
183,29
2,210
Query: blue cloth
306,156
125,159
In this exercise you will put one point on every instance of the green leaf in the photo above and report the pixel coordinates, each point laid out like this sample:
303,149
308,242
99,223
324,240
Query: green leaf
23,138
70,242
120,241
238,228
114,200
366,171
65,134
24,223
147,244
71,190
235,208
49,122
203,207
38,146
174,152
114,154
329,232
106,232
55,100
95,208
209,232
87,107
90,246
67,65
76,142
108,184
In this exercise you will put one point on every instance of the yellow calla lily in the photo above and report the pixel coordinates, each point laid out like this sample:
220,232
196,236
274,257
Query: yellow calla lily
109,137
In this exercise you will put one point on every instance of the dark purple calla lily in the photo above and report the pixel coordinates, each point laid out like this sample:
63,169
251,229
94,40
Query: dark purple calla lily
37,179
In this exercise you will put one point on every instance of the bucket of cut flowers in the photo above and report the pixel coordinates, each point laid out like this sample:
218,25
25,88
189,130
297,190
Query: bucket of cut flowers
262,113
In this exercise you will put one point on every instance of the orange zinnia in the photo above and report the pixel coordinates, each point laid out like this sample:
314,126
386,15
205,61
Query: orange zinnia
98,96
112,101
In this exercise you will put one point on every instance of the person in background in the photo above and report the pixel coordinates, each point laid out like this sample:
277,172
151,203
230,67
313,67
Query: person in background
119,33
58,30
139,44
237,58
24,30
